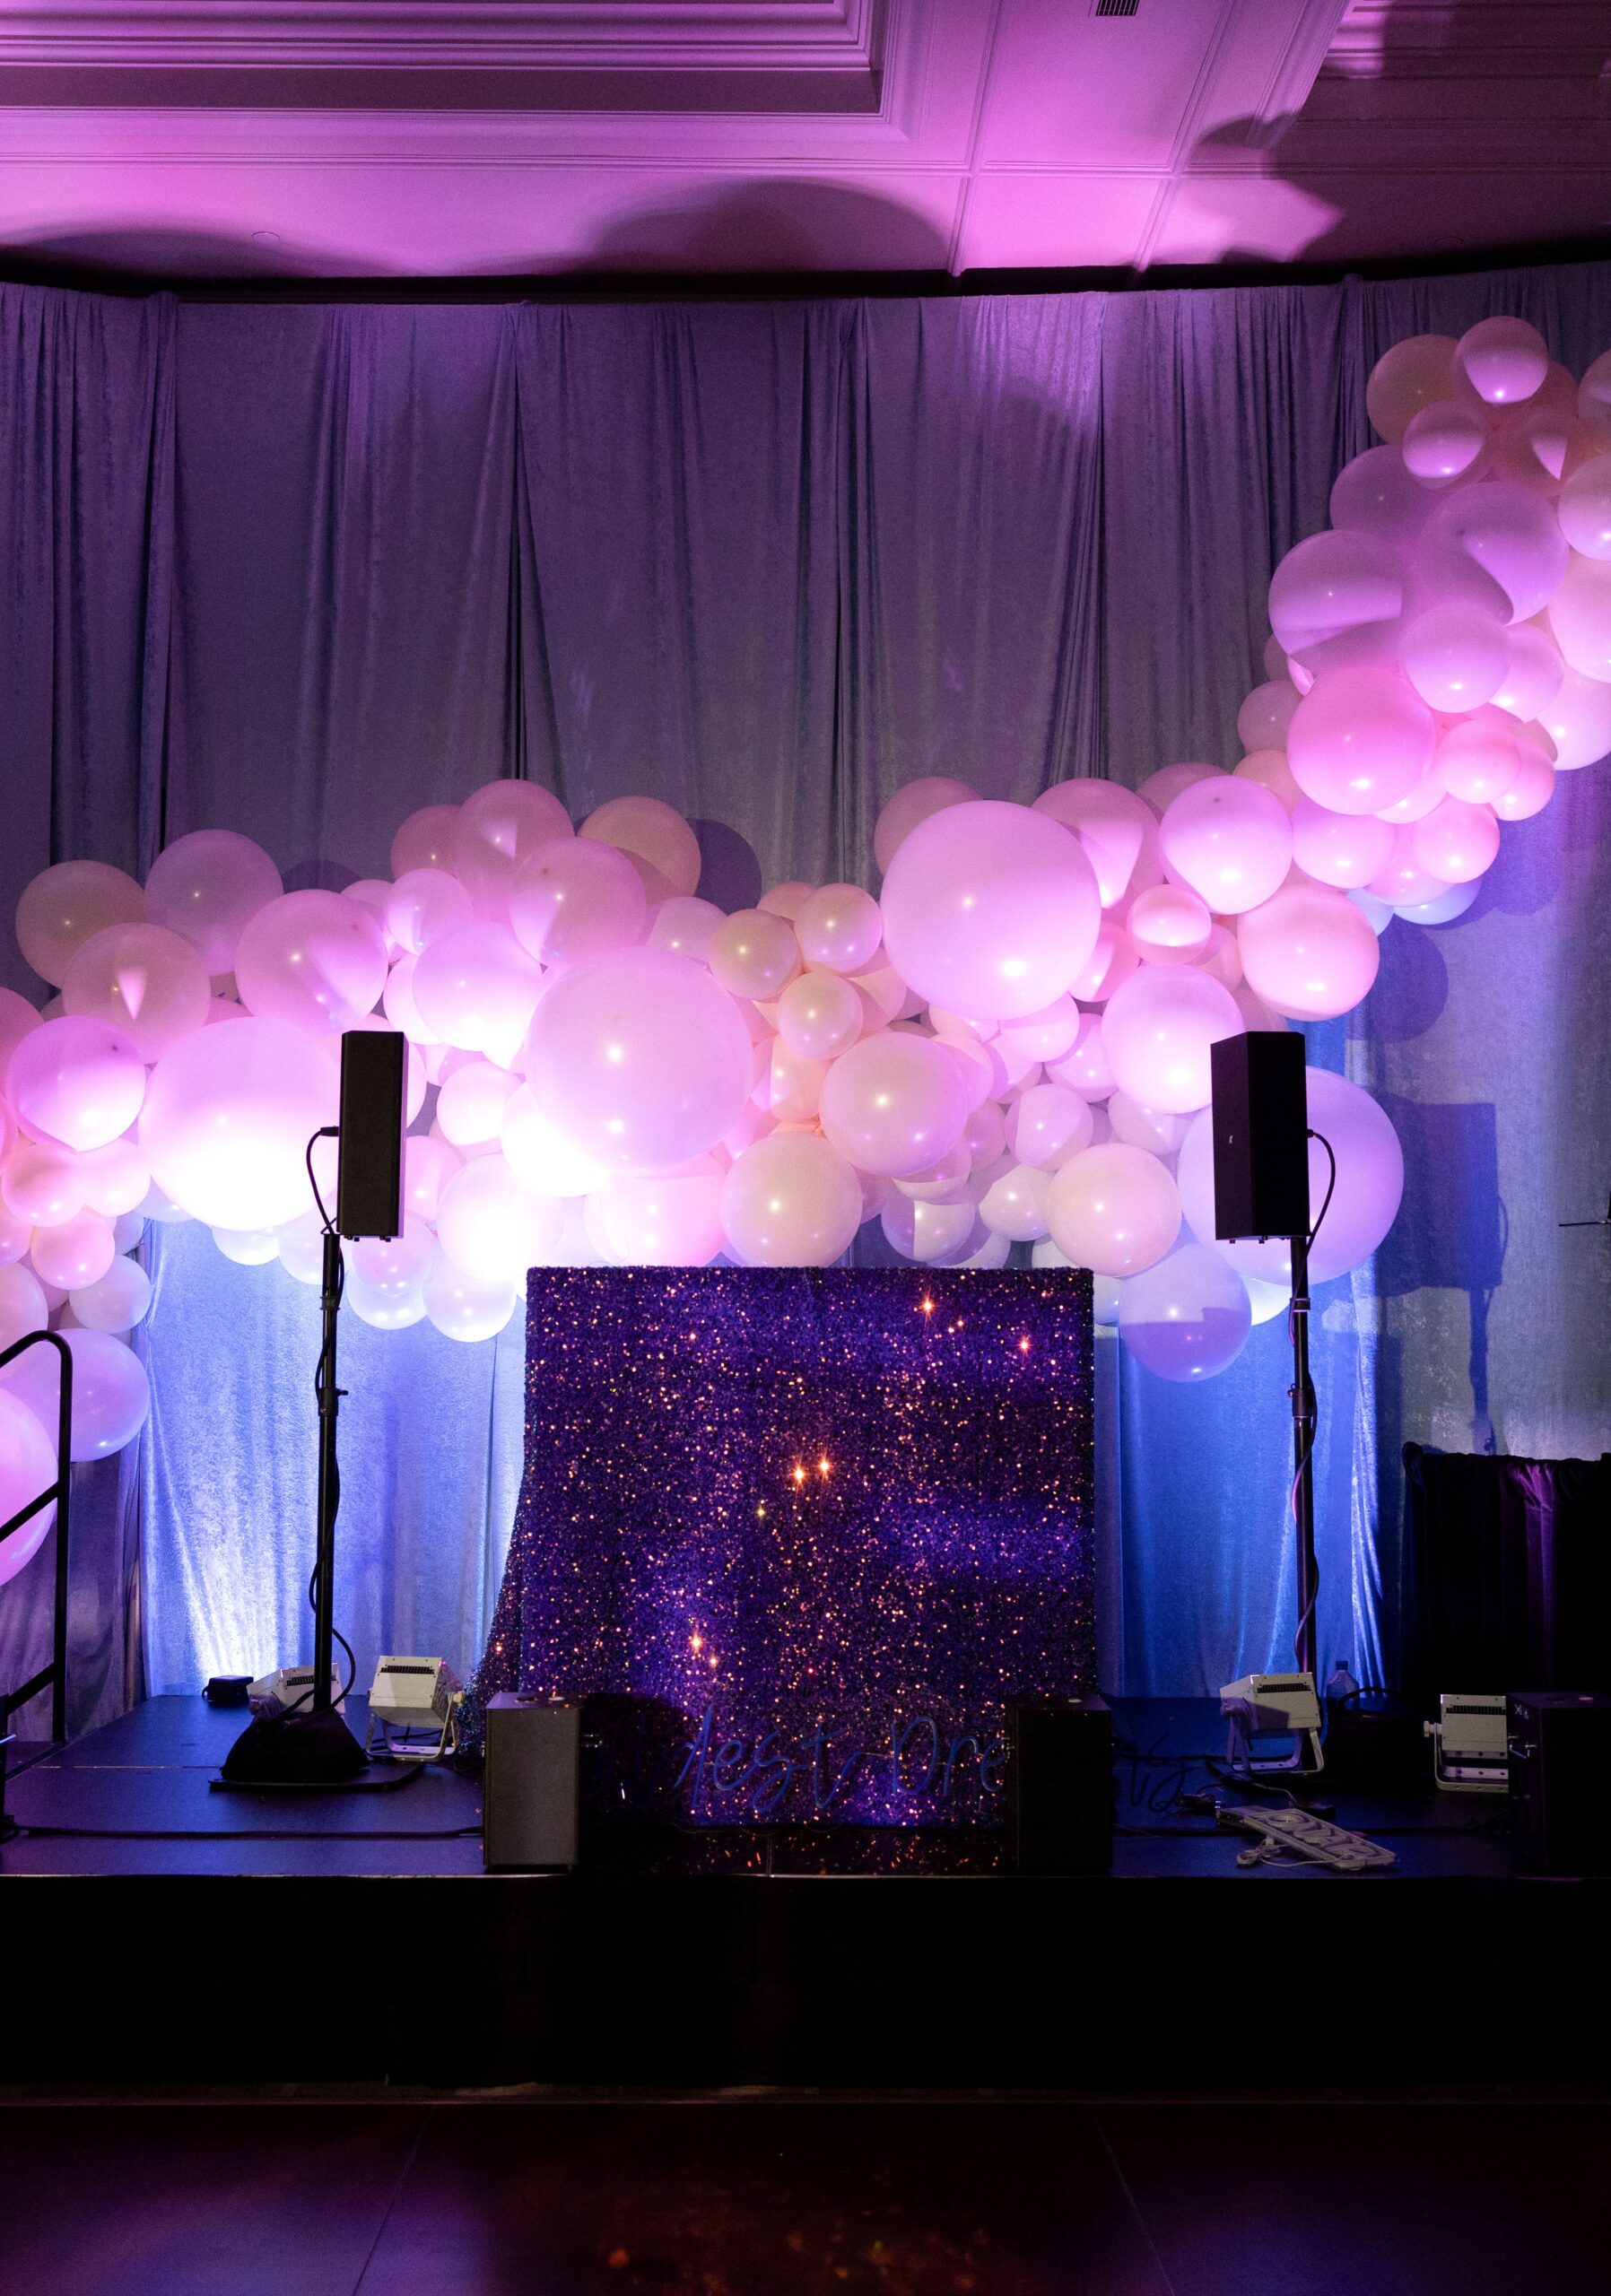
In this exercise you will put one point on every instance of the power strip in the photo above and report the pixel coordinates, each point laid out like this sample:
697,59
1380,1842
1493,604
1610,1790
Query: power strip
1300,1833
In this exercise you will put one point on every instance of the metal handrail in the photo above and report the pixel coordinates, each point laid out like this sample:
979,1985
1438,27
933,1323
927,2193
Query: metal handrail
52,1676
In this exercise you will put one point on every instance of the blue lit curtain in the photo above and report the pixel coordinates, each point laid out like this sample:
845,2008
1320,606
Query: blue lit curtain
299,570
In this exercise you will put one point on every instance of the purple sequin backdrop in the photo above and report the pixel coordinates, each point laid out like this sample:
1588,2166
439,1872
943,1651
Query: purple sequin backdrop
823,1522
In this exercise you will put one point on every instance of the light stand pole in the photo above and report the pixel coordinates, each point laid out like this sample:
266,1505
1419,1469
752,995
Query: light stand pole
1301,1392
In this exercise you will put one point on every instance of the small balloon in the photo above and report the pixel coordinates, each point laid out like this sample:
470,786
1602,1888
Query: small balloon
839,927
1308,952
577,898
893,1103
655,834
498,827
1114,1209
117,1301
791,1200
66,906
313,962
1187,1318
76,1082
1157,1030
27,1467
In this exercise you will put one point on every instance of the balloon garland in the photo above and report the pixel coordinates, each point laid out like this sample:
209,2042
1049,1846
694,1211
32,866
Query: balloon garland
1010,1045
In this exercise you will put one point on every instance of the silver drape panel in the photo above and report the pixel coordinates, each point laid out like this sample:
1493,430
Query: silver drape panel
298,571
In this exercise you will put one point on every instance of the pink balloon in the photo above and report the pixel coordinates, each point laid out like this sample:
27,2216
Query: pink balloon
27,1467
64,906
686,926
1156,1032
791,1200
425,840
654,833
1086,1068
1270,771
1405,882
1584,509
753,954
1410,376
663,1220
1504,360
1113,958
640,1058
894,1103
77,1082
1230,840
1161,789
1113,1209
492,1226
1344,849
1417,802
1048,1124
423,905
1187,1317
990,909
207,887
1046,1035
1264,717
313,962
915,803
1334,582
787,900
24,1308
226,1119
1369,1174
1580,617
116,1178
819,1015
111,1394
1445,441
1532,677
1456,842
1479,758
428,1165
1154,1129
77,1253
1578,720
471,1102
1308,952
1168,924
1117,830
1360,740
1531,790
577,898
1456,656
1496,544
840,927
117,1301
142,978
477,988
42,1184
17,1018
1377,493
498,827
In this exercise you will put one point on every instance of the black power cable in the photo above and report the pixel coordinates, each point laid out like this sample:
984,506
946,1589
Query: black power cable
1309,1415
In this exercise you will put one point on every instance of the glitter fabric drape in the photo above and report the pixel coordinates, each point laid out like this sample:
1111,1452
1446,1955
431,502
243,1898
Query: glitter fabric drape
827,1521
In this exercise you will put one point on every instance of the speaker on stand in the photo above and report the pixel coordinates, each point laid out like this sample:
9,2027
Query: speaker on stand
310,1745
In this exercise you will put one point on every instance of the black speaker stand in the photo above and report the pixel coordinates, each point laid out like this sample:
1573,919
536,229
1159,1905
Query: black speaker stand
311,1746
1304,1415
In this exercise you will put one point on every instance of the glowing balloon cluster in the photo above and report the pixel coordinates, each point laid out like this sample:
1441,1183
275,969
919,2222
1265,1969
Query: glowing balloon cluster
1009,1047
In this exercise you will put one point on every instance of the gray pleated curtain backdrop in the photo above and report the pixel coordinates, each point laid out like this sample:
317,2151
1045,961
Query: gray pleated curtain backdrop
296,571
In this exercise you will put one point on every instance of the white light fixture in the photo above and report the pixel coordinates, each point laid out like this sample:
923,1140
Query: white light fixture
409,1694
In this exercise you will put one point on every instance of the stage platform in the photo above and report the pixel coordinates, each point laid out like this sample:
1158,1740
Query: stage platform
175,1935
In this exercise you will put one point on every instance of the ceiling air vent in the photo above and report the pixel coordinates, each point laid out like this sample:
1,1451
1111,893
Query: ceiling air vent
1114,7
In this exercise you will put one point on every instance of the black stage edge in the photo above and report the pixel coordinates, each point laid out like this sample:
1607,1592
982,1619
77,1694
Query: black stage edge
173,1935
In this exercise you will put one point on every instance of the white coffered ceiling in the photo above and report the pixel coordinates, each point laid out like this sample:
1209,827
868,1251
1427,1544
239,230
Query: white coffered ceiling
439,137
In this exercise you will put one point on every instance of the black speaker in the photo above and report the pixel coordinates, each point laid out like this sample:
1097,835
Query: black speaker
1061,1786
369,1188
1261,1134
531,1787
1559,1756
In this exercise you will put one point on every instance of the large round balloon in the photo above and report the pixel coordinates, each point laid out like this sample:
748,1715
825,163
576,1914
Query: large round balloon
819,1015
1113,1209
423,905
656,838
1360,739
425,840
575,897
1230,840
226,1119
990,909
1369,1174
477,988
207,887
753,954
116,1301
1332,582
1309,952
839,927
638,1058
894,1103
111,1397
492,1226
63,907
1157,1030
313,962
76,1082
662,1219
1117,830
496,827
27,1467
1187,1317
145,979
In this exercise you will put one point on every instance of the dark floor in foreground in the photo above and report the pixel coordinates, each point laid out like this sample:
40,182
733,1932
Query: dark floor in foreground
778,2196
